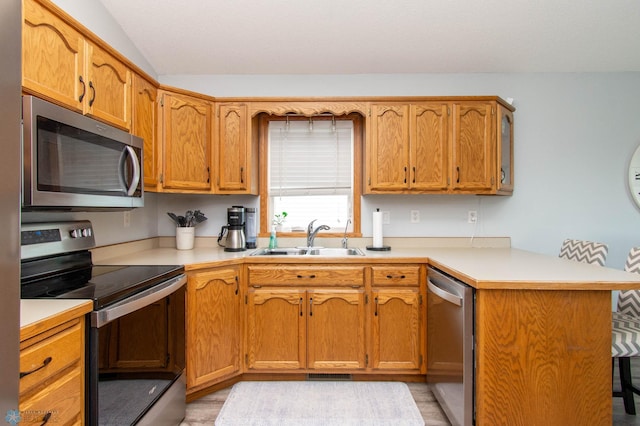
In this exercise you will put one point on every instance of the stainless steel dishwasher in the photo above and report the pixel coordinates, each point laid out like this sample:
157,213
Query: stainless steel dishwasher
450,345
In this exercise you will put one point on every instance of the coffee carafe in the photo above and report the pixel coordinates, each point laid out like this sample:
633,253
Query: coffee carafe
234,230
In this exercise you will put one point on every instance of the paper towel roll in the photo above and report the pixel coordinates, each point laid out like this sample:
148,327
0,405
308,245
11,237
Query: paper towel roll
377,229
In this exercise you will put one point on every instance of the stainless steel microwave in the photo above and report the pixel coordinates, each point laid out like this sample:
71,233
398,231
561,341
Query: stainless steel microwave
73,162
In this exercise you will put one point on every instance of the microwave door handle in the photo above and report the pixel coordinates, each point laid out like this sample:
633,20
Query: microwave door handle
136,171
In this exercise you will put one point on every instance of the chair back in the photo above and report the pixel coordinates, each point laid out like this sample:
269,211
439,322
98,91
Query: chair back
584,251
629,300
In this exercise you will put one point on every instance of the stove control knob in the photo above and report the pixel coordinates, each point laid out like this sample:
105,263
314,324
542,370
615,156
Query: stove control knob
86,232
75,233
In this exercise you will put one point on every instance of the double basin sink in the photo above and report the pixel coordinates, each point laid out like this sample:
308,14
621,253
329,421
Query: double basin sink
308,251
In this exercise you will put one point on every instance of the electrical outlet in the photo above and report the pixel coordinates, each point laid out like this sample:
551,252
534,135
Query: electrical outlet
415,216
386,218
472,216
127,219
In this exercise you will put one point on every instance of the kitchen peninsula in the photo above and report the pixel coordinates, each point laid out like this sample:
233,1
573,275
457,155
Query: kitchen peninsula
543,324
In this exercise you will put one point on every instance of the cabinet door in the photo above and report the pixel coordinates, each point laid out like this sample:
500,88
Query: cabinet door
145,125
429,147
336,329
504,144
213,326
388,147
53,57
276,329
233,149
186,125
473,138
109,88
396,329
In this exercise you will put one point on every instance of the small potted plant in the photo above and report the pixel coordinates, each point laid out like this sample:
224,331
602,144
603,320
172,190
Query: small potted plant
279,219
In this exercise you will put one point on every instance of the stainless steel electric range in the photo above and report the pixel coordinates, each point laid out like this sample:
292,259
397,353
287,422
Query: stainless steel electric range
135,336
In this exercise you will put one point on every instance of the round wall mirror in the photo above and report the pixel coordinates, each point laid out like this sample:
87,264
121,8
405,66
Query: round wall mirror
634,176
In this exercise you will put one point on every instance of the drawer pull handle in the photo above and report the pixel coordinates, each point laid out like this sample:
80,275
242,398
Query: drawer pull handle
402,277
46,419
306,276
46,362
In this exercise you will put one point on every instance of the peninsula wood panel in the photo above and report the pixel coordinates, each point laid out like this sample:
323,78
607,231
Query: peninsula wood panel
543,357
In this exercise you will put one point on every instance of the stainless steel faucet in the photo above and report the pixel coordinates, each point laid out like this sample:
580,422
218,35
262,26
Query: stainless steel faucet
345,241
311,233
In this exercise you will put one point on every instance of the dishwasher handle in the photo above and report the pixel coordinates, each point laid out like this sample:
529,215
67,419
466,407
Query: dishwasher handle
449,297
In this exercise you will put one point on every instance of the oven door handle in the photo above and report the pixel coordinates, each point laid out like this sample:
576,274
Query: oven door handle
449,297
137,301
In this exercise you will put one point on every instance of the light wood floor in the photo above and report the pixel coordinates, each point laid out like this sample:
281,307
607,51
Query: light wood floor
205,410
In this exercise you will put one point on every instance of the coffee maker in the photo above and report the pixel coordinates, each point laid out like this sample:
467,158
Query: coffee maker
234,230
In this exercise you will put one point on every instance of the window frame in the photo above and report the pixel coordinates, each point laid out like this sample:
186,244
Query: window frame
263,149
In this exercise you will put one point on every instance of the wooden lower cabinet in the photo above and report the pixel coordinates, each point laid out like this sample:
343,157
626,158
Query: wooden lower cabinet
398,318
52,375
318,329
397,331
214,326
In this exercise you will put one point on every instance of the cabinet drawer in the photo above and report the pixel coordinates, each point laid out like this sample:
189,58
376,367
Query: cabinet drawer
399,275
306,275
61,402
49,356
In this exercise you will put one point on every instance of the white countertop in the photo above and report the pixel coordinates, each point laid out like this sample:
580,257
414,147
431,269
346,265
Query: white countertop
480,267
36,310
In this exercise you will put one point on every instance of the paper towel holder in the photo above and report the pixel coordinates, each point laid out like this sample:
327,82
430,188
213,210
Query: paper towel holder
377,222
382,248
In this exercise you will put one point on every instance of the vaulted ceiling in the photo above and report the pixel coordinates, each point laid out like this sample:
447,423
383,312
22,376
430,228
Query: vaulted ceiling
382,36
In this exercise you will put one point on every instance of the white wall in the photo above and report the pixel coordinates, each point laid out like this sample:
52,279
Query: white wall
574,136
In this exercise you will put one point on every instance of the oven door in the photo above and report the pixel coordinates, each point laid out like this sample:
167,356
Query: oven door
136,358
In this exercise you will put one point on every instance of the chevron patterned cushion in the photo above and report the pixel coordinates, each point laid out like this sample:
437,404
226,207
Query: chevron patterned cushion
584,251
625,335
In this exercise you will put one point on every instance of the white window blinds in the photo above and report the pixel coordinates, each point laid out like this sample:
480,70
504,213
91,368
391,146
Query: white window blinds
310,157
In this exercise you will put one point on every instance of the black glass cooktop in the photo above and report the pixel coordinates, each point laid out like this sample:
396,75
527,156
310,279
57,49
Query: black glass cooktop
103,284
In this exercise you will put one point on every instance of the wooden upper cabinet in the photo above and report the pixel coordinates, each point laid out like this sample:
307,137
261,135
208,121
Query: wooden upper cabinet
53,57
108,88
473,160
429,146
186,138
145,125
388,148
63,66
236,158
408,148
